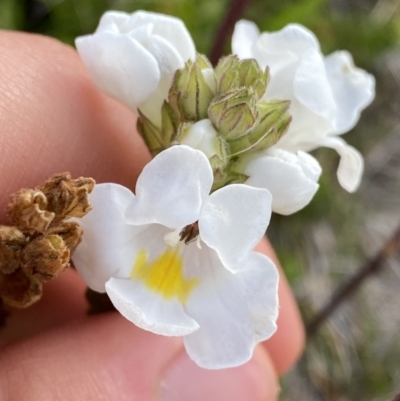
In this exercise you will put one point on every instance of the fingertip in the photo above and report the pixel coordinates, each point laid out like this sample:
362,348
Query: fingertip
63,301
54,119
183,380
102,357
287,344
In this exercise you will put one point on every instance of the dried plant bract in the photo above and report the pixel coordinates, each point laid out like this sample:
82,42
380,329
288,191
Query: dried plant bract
39,245
45,257
68,197
28,211
20,289
11,242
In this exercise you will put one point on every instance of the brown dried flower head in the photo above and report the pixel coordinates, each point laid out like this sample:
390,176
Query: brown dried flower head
19,289
11,243
40,245
45,257
70,232
68,197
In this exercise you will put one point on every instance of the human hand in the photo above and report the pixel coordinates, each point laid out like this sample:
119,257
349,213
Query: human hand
53,119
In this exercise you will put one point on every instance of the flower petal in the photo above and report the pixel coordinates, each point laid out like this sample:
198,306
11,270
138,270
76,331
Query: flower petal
294,38
149,311
278,50
202,136
233,221
170,28
105,250
120,66
244,36
290,178
112,21
234,311
311,87
169,61
172,188
353,89
351,165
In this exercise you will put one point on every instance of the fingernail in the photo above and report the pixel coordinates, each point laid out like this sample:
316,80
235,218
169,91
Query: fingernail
183,380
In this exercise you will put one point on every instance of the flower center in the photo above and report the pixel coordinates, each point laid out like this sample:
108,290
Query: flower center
189,233
164,275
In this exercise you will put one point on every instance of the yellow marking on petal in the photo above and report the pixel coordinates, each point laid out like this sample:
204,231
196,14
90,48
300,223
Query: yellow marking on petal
164,275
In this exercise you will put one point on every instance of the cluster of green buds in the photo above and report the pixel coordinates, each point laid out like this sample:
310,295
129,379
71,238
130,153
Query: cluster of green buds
221,112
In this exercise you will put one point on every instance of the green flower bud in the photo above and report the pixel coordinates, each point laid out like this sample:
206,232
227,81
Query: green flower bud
234,113
190,94
274,122
250,74
227,74
207,71
232,73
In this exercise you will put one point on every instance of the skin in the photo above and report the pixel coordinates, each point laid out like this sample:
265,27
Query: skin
53,119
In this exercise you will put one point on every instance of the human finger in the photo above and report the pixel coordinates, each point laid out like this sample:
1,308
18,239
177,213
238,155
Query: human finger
107,358
287,344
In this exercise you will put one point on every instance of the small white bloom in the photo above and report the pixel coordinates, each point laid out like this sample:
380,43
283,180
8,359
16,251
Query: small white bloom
204,137
133,57
290,178
141,249
327,96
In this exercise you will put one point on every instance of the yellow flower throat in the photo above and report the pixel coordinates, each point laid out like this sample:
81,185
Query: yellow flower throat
164,275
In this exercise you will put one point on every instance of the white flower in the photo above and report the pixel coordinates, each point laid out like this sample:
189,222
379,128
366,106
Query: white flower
179,262
133,57
327,96
290,178
204,137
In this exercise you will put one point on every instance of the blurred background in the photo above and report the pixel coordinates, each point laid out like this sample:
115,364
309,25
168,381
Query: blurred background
355,355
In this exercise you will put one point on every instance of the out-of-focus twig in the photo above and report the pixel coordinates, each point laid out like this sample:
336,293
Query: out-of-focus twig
35,15
234,13
372,266
397,398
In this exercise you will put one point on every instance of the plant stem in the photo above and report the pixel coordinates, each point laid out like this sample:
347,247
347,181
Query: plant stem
372,266
234,13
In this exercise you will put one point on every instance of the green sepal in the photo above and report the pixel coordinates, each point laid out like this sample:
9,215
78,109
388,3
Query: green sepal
202,61
226,74
274,122
226,177
151,134
170,123
181,132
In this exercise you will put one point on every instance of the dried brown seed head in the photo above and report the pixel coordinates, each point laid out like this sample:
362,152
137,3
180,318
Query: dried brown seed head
9,259
11,242
68,197
70,232
19,289
45,257
28,211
